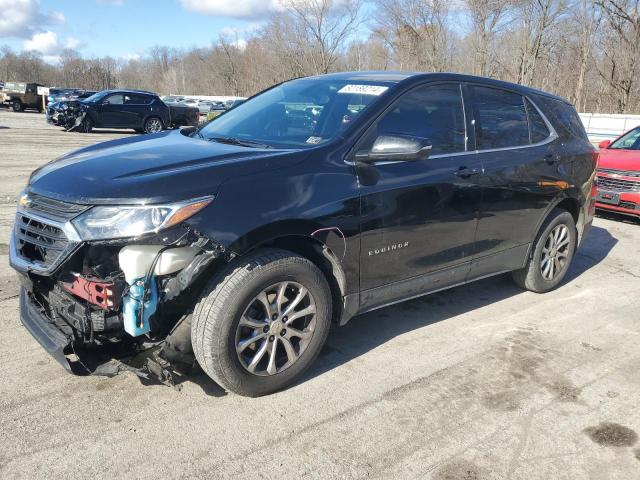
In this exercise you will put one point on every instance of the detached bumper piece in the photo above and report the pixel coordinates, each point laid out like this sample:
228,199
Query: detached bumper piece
151,364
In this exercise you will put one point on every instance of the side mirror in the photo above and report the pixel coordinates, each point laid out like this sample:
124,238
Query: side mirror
390,148
604,143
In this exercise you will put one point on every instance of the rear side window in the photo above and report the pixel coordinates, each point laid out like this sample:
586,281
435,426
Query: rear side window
563,117
501,118
137,99
117,99
432,113
537,125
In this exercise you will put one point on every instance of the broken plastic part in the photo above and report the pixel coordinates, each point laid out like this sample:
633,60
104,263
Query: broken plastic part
136,260
138,305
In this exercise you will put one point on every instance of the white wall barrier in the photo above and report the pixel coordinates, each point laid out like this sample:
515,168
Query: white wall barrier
603,126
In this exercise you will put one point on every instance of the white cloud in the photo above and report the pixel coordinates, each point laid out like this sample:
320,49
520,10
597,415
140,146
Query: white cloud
45,43
131,57
117,3
72,43
48,45
23,18
231,8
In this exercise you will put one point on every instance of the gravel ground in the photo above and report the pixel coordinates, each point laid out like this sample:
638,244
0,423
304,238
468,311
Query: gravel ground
480,382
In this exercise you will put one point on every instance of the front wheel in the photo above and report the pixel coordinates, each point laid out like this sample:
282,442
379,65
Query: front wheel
552,253
262,323
17,106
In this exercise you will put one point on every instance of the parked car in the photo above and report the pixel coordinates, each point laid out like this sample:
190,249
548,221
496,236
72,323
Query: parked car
216,109
62,94
619,174
172,98
204,106
241,242
132,109
21,96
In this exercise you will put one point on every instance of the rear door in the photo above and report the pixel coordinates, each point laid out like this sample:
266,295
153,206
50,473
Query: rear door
419,217
136,108
522,175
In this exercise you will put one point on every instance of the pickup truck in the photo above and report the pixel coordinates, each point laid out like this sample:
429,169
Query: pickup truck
21,95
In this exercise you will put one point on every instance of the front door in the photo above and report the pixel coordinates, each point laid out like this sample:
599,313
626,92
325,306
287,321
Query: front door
112,111
419,217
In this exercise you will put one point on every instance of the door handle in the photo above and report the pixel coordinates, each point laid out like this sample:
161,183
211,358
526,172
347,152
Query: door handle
550,159
465,172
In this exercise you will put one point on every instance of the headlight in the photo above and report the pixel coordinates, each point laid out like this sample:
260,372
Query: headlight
102,223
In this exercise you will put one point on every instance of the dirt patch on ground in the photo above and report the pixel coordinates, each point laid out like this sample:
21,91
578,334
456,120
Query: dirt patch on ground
458,470
610,434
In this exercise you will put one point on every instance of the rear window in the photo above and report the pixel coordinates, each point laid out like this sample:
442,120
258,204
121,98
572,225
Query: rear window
501,119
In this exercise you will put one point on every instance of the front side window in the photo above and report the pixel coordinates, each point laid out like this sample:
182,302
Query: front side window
629,141
433,114
298,114
501,119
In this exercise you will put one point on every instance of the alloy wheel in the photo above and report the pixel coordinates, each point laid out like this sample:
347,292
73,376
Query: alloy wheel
276,328
555,252
154,125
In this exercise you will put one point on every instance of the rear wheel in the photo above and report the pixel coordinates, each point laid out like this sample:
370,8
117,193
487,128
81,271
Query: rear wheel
262,323
153,125
552,253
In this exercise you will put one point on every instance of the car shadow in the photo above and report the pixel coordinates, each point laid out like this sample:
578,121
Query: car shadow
366,332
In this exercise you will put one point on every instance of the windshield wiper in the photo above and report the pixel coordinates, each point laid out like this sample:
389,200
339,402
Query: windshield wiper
238,141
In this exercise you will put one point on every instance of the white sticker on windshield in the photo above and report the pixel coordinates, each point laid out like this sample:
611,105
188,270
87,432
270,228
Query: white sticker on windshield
364,89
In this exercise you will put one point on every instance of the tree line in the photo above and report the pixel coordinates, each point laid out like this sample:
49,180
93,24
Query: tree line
587,51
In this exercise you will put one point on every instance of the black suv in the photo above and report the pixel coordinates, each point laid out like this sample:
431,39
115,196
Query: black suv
238,244
131,109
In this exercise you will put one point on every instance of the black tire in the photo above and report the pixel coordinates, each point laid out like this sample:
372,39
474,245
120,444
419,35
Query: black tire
531,276
153,125
217,315
87,125
17,106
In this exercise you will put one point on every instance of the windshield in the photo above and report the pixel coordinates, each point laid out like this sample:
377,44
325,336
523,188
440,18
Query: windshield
629,141
96,97
298,114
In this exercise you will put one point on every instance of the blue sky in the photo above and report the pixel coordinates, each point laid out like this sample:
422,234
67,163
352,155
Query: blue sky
124,28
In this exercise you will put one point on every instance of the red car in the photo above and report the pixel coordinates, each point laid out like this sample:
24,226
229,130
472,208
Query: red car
619,174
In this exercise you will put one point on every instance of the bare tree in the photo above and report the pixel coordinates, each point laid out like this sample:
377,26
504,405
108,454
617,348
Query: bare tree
487,19
321,29
621,50
416,31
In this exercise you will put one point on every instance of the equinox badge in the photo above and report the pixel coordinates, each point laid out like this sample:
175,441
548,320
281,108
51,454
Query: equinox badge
388,248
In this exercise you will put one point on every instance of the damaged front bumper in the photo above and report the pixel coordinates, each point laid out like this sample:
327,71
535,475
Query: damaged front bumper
75,299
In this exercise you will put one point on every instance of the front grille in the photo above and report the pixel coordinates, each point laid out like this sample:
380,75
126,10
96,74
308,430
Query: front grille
54,209
39,242
628,205
624,173
618,184
39,231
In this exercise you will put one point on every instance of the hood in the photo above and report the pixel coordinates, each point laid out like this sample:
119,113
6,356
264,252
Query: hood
163,167
619,159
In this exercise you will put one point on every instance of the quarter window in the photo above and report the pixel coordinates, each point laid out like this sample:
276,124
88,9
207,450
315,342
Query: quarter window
432,113
537,126
501,119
